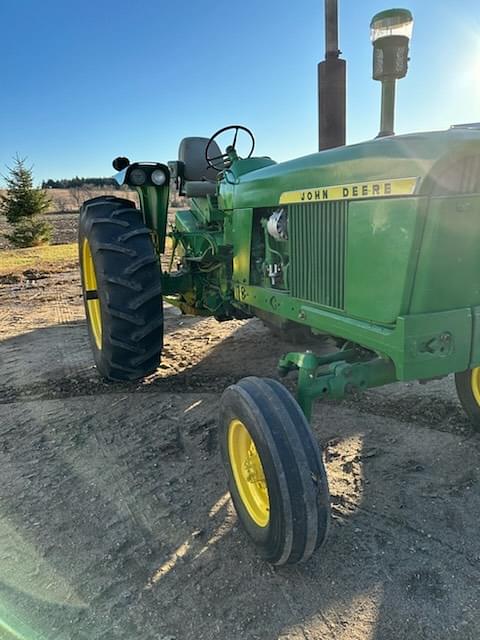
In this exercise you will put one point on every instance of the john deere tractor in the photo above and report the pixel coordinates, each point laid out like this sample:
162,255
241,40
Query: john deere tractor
374,244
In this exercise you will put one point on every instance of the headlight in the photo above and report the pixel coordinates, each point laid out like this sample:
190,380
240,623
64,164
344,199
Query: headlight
137,177
158,177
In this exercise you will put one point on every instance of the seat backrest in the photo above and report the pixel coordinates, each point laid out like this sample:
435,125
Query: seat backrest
192,153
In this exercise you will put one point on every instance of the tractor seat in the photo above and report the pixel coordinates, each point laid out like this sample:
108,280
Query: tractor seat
199,179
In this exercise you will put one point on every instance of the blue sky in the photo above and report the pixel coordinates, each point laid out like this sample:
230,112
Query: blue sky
85,81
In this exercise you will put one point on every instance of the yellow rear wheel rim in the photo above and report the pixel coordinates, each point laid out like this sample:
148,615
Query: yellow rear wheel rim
248,473
475,382
91,294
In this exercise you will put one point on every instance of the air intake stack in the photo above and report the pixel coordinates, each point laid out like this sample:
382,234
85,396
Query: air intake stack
390,32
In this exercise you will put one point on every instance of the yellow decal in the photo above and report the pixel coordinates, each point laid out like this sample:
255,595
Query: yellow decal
378,189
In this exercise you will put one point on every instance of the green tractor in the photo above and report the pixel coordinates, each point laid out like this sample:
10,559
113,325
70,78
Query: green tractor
374,244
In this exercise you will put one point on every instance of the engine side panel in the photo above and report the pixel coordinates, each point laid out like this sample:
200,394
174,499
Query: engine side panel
448,271
380,249
241,223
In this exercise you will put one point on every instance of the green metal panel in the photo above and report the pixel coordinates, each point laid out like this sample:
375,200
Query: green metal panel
457,174
228,228
414,155
475,355
317,233
381,241
206,208
421,346
154,205
241,233
247,165
225,197
186,221
448,271
189,228
433,344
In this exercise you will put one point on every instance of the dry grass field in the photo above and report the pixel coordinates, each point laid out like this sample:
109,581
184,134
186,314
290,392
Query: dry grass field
49,258
70,200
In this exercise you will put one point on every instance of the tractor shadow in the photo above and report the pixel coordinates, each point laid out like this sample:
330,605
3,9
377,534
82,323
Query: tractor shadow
115,522
56,362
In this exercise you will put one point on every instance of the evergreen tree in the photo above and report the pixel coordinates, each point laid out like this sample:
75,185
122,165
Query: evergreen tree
22,205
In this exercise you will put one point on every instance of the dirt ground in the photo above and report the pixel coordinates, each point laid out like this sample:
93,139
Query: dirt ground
115,523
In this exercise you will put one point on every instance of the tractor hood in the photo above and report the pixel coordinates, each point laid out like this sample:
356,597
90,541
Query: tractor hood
422,158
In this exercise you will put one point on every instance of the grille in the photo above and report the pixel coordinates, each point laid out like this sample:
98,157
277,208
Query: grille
318,234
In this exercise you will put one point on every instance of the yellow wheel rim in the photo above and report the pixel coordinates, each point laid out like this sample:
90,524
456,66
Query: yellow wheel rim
91,294
475,381
248,473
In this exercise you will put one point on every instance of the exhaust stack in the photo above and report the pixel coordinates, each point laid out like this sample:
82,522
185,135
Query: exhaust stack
332,82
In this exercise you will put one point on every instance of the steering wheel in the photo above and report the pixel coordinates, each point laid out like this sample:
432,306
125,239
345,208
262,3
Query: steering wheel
214,161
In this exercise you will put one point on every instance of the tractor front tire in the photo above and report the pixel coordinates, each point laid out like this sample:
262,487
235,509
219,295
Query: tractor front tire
467,384
121,283
274,469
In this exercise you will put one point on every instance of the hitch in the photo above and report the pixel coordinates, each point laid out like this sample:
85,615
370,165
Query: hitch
335,375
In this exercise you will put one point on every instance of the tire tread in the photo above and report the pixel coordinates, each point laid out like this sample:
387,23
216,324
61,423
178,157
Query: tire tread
299,480
129,286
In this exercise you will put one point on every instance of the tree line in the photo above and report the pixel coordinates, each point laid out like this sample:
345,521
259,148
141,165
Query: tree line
75,183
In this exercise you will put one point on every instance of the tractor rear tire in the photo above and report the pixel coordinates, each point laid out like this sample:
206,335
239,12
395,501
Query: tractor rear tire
274,469
121,283
467,384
